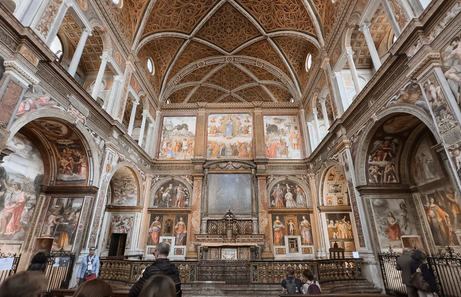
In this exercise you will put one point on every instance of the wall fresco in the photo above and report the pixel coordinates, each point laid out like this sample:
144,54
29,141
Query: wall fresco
283,137
124,188
167,225
178,138
171,194
288,194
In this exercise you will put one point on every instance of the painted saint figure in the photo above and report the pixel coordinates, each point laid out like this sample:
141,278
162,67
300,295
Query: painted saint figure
291,227
180,196
454,206
290,202
393,227
299,196
11,218
154,230
439,222
278,231
230,126
278,196
306,234
180,230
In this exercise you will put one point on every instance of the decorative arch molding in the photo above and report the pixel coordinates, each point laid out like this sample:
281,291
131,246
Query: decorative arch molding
373,126
155,186
288,83
79,128
106,41
323,175
129,165
353,21
302,184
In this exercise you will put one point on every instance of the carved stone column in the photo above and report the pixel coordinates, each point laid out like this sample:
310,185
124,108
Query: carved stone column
143,128
355,77
98,81
317,126
78,52
132,118
325,113
145,217
365,28
306,132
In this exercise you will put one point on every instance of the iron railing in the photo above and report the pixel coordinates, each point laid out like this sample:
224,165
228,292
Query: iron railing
59,270
15,260
267,272
446,268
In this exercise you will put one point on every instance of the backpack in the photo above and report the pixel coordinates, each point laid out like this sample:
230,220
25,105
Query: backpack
291,286
313,289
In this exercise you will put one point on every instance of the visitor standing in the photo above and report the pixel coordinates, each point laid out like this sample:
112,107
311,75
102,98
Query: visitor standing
38,263
404,264
291,285
311,286
161,266
89,269
428,276
158,285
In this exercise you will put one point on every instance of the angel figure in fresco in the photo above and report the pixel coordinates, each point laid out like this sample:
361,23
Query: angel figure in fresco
278,196
439,222
455,210
374,172
34,99
278,231
154,230
181,231
394,231
306,233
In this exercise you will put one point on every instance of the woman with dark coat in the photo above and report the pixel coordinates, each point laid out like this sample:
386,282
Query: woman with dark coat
428,276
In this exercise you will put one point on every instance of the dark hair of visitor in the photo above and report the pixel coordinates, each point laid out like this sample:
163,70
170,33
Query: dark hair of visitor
418,255
291,271
39,258
94,288
308,274
158,286
24,284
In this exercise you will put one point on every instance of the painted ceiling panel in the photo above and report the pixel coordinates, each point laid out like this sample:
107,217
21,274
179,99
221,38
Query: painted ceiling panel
230,77
230,99
255,93
261,73
281,94
205,94
180,95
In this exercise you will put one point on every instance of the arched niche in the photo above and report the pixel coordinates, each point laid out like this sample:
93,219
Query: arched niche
289,192
174,192
334,191
123,188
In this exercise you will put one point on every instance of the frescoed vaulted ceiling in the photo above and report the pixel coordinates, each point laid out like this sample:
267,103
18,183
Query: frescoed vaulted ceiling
226,50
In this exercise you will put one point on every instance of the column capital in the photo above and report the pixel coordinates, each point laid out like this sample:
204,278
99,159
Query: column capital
338,74
86,31
322,100
151,125
314,111
135,103
145,113
302,111
309,124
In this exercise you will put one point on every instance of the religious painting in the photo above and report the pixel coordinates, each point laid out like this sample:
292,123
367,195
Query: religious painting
121,223
283,137
451,56
385,147
230,136
438,102
442,207
124,188
232,191
425,165
411,94
61,222
178,138
412,242
21,175
171,194
72,162
339,229
298,226
35,99
392,221
167,225
288,194
455,154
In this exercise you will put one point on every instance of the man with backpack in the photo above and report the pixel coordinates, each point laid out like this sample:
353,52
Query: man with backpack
311,286
291,285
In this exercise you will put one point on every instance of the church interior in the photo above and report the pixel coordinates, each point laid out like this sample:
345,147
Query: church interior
249,135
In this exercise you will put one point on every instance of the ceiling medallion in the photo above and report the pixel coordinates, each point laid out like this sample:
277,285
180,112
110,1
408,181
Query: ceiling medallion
83,4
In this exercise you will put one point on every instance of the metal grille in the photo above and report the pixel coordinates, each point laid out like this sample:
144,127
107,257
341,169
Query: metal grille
59,270
6,273
446,268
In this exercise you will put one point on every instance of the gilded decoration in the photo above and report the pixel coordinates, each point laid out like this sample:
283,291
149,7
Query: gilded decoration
228,28
230,99
261,73
280,94
280,15
120,17
199,74
255,93
177,15
230,77
194,51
